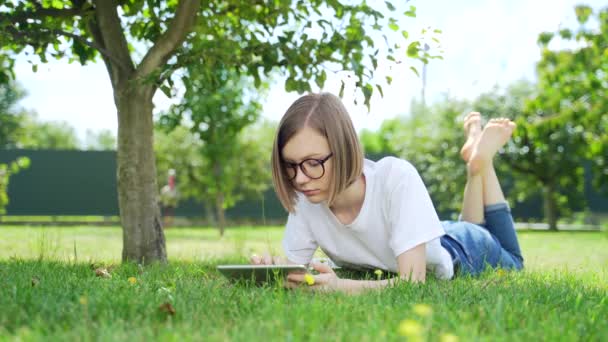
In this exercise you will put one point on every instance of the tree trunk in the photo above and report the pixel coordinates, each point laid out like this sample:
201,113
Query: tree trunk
209,215
221,217
143,237
550,206
219,198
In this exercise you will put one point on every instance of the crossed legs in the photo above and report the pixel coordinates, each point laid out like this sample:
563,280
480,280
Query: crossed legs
482,188
484,203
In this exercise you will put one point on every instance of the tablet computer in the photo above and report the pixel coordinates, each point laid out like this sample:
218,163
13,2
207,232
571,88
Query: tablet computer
259,273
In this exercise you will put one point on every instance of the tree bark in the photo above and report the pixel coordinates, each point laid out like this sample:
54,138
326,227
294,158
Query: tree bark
209,215
550,206
219,198
221,213
143,237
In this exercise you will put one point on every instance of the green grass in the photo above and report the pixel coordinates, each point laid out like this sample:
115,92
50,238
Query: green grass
50,292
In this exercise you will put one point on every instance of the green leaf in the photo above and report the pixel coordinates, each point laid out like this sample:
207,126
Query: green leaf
544,38
413,49
380,90
166,90
341,93
565,33
411,12
368,90
393,24
583,12
374,61
390,6
405,34
415,71
320,79
389,80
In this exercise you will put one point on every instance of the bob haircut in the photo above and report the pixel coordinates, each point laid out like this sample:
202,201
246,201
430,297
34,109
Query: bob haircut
326,114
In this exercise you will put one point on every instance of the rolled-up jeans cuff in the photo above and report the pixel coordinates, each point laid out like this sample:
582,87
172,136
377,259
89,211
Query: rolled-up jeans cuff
497,207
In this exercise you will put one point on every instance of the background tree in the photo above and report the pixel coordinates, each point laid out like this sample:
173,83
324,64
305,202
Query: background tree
102,140
49,135
11,116
295,38
182,150
574,84
6,171
218,111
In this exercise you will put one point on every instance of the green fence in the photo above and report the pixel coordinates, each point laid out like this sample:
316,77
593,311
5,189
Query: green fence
83,183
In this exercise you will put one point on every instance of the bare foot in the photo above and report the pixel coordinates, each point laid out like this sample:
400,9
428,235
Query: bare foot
472,130
495,135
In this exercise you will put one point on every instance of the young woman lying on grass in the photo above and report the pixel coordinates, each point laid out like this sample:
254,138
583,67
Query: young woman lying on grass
379,215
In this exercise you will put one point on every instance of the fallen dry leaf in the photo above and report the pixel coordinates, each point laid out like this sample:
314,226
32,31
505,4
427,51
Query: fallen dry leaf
103,273
167,308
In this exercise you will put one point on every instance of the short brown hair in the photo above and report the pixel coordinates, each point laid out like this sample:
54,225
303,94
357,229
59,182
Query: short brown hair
326,114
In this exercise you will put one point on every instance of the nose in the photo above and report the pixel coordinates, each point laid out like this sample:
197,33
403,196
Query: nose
301,177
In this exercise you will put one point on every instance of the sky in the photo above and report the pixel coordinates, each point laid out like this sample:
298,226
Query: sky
485,43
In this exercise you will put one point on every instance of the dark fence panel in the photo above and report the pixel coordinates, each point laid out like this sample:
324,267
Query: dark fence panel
84,183
63,183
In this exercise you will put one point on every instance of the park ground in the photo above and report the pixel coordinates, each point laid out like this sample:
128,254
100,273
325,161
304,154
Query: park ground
50,290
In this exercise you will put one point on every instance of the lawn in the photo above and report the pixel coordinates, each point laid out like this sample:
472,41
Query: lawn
48,290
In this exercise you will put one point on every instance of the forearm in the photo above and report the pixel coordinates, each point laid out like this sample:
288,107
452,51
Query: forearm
352,286
357,286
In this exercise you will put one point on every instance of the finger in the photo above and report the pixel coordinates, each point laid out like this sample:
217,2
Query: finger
255,259
296,277
291,285
267,259
322,268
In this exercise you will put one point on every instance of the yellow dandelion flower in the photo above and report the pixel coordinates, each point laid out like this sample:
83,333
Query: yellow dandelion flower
423,310
83,300
310,280
500,272
410,328
448,338
378,273
132,280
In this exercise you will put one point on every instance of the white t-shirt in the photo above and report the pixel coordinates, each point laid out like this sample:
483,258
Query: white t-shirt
397,215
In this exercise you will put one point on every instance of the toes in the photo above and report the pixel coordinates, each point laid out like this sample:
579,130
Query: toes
472,116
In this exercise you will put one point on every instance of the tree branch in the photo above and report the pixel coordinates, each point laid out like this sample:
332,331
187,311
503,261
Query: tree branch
111,36
22,36
93,45
179,27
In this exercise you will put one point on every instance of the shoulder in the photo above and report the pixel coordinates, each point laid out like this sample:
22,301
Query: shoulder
392,169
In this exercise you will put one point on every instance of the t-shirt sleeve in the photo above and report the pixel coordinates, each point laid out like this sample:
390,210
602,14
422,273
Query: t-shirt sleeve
299,244
412,216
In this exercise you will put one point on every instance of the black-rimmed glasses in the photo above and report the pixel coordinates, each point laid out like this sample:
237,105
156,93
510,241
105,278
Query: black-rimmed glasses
312,168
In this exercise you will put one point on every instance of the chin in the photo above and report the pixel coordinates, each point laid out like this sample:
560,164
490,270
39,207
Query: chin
316,199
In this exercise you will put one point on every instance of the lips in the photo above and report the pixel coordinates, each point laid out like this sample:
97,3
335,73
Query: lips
310,192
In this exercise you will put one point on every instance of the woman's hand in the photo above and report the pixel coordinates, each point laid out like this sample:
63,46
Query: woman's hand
325,281
267,259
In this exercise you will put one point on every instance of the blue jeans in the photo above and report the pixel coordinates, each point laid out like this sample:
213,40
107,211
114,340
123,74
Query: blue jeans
474,247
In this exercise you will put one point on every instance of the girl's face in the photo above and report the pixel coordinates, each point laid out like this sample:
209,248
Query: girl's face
307,150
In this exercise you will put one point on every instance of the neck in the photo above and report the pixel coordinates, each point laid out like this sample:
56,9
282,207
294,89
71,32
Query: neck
351,199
